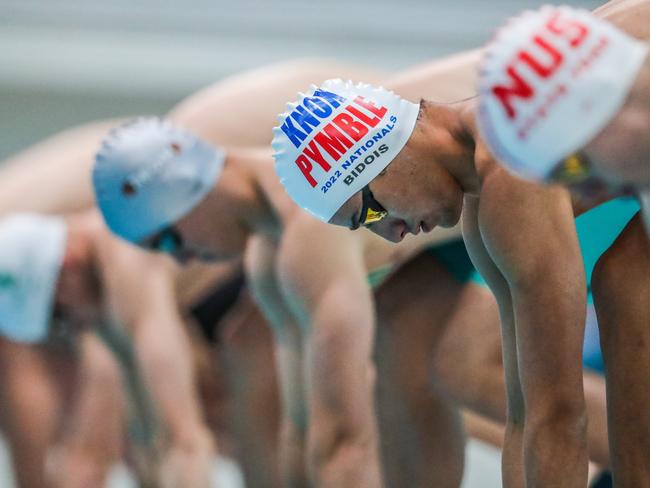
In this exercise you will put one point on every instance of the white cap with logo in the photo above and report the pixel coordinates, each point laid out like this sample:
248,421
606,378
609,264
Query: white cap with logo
148,174
32,248
549,82
337,138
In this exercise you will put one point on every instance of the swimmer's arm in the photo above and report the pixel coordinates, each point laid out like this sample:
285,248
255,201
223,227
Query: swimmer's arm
144,300
631,16
528,231
262,279
323,276
53,176
121,347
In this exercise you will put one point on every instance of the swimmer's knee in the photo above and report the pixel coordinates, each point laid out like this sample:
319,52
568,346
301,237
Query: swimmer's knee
337,443
555,408
339,434
86,465
557,417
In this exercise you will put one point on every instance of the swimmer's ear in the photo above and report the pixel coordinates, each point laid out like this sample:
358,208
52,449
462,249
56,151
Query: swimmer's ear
421,109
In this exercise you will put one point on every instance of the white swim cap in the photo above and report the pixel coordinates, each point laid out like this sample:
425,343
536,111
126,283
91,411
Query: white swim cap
148,174
32,248
337,138
549,82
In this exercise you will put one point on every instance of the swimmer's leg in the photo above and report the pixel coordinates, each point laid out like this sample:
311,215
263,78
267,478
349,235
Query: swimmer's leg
467,362
421,430
93,440
329,299
30,409
597,441
512,457
289,361
293,428
621,286
644,199
246,349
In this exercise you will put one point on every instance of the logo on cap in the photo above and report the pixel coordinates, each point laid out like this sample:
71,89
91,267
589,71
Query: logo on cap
549,81
542,57
347,128
335,139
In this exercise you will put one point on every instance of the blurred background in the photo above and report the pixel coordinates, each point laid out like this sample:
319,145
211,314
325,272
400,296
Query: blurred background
64,62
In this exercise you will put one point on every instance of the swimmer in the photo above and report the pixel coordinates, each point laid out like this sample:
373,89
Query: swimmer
298,267
189,114
360,156
202,294
442,462
66,275
49,390
159,187
374,250
250,115
585,124
601,113
300,284
237,382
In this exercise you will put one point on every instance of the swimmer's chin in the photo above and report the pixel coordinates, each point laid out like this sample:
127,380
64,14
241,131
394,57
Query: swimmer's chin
449,223
452,218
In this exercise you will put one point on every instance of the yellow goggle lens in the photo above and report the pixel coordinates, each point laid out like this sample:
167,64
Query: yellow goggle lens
373,216
572,170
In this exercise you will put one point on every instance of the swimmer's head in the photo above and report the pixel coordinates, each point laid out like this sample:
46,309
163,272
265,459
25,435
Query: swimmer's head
353,155
32,249
549,82
337,138
148,175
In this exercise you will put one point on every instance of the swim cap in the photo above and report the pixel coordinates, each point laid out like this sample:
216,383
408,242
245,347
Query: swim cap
336,139
148,174
32,248
549,82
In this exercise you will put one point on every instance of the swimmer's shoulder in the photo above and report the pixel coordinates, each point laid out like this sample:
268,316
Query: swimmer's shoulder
485,163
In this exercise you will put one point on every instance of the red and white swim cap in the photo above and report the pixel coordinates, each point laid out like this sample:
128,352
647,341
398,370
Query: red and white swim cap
549,82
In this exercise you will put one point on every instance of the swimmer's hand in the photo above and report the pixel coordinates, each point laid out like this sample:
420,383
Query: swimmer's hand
188,461
178,463
147,461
